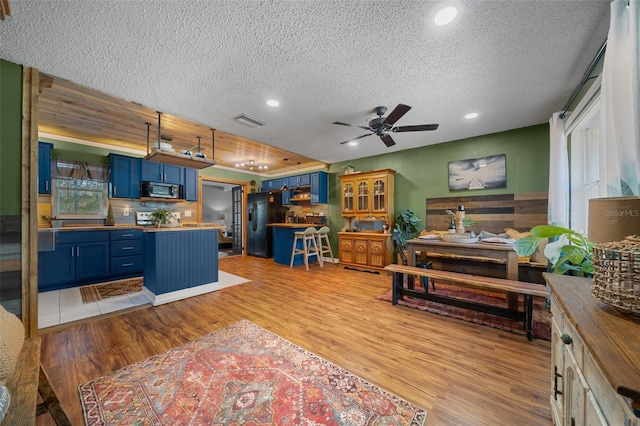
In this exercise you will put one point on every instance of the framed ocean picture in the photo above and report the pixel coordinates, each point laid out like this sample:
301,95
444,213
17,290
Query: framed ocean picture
478,173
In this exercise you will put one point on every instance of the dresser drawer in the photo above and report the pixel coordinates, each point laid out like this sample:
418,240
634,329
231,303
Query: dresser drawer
126,247
126,265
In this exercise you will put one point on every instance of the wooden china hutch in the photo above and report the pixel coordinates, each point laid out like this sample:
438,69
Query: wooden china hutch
367,210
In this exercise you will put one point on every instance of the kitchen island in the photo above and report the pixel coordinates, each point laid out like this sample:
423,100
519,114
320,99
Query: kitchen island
176,262
180,263
283,242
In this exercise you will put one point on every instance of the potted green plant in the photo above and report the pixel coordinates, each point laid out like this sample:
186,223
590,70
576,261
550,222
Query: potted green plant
349,168
54,222
161,216
110,220
571,252
406,224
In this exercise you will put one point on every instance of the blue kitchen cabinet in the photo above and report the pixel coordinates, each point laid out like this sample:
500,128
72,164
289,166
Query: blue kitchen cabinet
126,251
319,187
300,180
44,167
125,176
286,197
272,184
78,257
57,268
160,172
178,260
190,184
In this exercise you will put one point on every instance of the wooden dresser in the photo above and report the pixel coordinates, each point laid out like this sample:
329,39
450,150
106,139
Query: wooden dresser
595,358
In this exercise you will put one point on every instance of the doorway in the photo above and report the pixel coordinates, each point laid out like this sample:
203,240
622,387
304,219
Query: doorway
221,203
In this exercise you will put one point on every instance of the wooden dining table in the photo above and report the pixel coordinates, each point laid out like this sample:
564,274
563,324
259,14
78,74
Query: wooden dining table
500,253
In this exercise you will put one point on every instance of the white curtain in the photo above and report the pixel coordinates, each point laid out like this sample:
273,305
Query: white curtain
558,173
620,92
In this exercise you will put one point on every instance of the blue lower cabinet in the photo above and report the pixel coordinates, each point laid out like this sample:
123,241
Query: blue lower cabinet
92,261
283,245
75,260
177,260
57,268
127,266
126,250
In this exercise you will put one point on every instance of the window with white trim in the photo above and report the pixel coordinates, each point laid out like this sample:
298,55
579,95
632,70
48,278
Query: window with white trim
585,164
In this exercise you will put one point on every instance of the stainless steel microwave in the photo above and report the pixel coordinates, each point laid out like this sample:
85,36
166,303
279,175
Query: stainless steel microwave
160,190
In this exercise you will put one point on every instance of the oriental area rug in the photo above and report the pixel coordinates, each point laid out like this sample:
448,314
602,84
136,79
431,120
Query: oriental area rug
240,375
95,292
541,314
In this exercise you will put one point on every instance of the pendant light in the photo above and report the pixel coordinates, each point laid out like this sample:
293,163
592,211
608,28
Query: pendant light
285,187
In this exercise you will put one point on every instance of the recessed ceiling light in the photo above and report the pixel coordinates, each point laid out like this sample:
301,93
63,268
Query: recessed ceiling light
471,115
273,103
445,16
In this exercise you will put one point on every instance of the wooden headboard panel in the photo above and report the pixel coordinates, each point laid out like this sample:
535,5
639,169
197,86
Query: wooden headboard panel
494,213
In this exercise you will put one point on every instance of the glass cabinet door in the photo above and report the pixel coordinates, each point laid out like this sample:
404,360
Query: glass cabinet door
378,196
363,196
347,197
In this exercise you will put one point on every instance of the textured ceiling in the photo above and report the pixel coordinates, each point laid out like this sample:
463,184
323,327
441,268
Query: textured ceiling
513,62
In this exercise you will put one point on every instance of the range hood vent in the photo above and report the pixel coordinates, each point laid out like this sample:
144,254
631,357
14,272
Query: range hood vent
249,121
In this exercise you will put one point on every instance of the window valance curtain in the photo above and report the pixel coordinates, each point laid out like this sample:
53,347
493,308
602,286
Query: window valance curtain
68,169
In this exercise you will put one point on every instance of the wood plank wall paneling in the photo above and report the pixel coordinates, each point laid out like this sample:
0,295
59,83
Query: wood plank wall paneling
494,213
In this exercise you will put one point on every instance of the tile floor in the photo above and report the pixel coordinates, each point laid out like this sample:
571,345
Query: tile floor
62,306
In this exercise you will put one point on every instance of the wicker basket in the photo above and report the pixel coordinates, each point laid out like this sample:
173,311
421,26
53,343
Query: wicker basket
616,276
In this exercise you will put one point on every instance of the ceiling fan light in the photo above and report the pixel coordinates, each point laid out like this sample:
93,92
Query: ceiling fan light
445,16
273,103
471,115
352,143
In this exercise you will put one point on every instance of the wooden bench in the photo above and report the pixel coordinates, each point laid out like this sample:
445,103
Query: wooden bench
29,380
528,290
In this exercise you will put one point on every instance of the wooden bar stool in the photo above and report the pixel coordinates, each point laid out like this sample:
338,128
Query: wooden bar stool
324,245
309,246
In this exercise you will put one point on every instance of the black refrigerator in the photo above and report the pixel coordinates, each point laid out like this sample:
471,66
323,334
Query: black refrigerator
263,208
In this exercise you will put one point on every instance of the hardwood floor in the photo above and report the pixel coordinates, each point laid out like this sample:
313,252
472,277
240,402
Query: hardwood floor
461,373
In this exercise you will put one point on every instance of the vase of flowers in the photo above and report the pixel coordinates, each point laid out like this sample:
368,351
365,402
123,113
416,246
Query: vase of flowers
54,222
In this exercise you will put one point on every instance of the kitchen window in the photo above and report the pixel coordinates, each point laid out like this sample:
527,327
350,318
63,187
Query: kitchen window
80,189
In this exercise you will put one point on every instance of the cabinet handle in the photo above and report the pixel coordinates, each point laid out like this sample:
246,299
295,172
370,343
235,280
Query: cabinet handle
78,251
73,252
46,185
127,264
566,339
127,248
556,392
127,235
115,190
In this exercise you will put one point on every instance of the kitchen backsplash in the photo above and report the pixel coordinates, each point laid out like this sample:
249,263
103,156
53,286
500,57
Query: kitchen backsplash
120,206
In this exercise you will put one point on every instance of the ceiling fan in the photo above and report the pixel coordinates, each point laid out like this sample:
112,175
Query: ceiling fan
383,126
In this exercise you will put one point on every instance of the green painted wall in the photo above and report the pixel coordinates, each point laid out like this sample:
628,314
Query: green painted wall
10,137
423,172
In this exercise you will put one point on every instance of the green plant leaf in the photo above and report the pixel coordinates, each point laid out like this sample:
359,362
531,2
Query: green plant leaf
549,231
527,245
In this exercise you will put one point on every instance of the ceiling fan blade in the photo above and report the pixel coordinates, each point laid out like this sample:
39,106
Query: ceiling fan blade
388,140
350,125
418,128
359,137
398,112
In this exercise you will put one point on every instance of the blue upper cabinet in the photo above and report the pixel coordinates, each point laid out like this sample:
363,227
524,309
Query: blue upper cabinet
190,184
302,180
159,172
125,176
44,167
319,187
273,184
